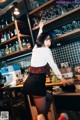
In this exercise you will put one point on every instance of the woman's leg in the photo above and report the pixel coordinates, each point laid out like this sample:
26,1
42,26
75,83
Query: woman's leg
40,103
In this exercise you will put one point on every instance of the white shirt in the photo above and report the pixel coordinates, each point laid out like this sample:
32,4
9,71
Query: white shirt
43,55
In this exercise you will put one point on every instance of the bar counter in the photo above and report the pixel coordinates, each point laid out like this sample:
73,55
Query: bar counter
63,101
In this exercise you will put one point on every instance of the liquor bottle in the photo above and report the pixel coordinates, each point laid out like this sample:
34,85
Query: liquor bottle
5,36
7,50
17,46
8,35
12,18
24,45
2,38
13,48
6,22
15,32
12,34
10,48
28,44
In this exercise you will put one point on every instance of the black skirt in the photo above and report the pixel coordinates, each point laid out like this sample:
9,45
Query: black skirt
35,85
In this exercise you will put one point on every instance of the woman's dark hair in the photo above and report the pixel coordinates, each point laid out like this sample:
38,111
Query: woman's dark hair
40,40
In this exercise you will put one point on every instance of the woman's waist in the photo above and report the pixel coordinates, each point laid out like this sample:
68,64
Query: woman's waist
37,70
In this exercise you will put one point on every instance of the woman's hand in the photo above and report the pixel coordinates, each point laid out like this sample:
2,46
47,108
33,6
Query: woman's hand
41,24
65,82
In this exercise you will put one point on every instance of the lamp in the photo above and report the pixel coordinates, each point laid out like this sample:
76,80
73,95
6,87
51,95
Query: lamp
1,1
16,10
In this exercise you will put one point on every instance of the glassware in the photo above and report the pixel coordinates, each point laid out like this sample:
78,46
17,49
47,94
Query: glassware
74,24
78,23
35,22
24,45
63,9
69,27
7,50
64,29
17,46
58,32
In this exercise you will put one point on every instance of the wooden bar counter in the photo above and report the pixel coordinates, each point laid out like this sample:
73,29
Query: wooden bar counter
68,101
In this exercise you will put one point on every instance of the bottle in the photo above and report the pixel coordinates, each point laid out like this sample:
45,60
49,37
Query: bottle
10,48
7,50
12,18
24,45
2,38
17,46
6,22
13,48
12,34
5,36
28,44
15,32
8,35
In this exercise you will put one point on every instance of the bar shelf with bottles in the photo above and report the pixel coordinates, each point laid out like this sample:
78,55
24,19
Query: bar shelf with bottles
12,42
18,52
57,15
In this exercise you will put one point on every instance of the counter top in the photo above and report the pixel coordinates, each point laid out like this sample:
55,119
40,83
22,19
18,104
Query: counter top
71,80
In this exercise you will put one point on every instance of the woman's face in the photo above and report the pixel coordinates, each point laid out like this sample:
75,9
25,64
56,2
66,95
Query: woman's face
47,41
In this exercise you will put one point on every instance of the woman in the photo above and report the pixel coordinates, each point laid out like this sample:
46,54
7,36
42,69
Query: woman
35,83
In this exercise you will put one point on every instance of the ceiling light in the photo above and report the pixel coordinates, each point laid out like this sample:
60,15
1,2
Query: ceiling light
16,10
1,1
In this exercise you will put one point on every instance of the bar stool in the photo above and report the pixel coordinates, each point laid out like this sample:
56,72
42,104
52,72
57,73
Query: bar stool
51,113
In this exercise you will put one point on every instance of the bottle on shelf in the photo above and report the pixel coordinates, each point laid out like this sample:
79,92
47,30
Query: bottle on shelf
12,34
5,36
6,23
10,48
2,38
8,35
17,46
15,32
12,18
28,44
2,23
7,50
24,45
13,48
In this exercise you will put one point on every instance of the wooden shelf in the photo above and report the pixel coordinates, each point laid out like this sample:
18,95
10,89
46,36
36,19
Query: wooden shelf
16,53
35,11
22,35
13,39
12,25
68,35
10,40
68,16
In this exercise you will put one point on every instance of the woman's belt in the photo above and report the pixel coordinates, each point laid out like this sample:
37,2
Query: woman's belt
37,70
44,69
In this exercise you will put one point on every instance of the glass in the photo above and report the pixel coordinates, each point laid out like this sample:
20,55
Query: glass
58,32
64,29
69,27
74,24
63,9
78,23
35,22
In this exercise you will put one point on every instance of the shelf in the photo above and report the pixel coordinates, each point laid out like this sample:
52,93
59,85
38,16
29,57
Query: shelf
68,35
19,52
13,39
12,25
68,16
22,35
35,11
